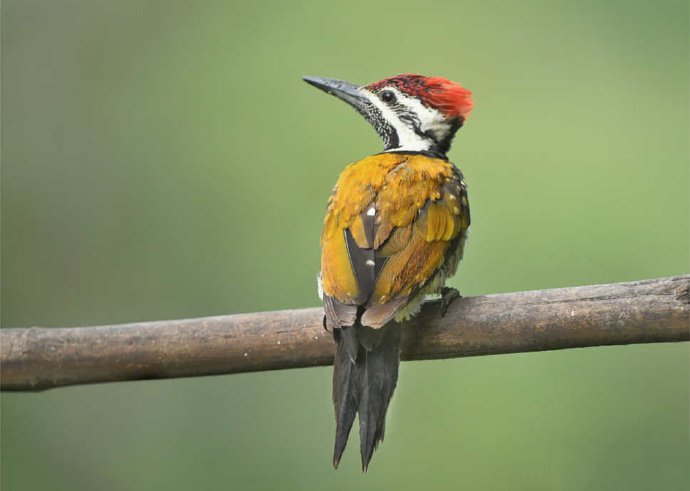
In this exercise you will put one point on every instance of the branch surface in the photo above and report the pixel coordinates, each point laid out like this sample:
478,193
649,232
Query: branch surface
649,311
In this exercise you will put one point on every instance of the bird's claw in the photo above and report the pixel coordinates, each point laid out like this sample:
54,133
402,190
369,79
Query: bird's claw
448,295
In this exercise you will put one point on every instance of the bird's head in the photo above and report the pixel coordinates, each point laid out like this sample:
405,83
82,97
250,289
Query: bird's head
409,112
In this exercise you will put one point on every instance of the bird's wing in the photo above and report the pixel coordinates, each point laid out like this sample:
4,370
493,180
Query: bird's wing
391,223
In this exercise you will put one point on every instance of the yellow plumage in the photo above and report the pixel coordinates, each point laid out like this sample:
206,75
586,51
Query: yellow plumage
419,212
395,229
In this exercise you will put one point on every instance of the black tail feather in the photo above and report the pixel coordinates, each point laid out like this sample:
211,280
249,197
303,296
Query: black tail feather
364,379
344,387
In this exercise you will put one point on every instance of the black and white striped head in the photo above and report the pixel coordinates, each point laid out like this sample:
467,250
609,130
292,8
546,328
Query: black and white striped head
409,112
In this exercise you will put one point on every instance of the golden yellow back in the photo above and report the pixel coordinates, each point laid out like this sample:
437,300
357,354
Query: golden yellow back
393,221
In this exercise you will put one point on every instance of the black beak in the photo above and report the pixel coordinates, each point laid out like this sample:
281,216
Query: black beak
344,91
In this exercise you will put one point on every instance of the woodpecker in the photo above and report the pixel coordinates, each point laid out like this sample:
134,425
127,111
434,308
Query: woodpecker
395,229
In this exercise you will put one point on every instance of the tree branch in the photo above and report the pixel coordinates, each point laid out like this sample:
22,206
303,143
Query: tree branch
650,311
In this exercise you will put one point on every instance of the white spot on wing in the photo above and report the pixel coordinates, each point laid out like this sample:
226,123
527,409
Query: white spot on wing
371,212
370,262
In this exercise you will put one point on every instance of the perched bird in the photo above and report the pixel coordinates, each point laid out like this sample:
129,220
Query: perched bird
394,230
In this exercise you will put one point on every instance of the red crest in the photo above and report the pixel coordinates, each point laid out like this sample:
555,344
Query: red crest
451,98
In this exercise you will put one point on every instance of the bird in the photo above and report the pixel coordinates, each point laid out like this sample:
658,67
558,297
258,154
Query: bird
395,229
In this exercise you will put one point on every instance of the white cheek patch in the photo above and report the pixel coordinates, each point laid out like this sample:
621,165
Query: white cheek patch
431,121
407,138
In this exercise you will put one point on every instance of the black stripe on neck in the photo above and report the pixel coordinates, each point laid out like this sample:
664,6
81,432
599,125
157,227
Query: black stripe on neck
427,153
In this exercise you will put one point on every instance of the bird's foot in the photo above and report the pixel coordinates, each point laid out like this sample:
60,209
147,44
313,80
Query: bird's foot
448,295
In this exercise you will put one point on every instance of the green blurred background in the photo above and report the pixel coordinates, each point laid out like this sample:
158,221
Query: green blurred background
163,159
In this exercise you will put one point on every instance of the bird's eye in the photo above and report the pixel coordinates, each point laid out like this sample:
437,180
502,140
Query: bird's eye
387,96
